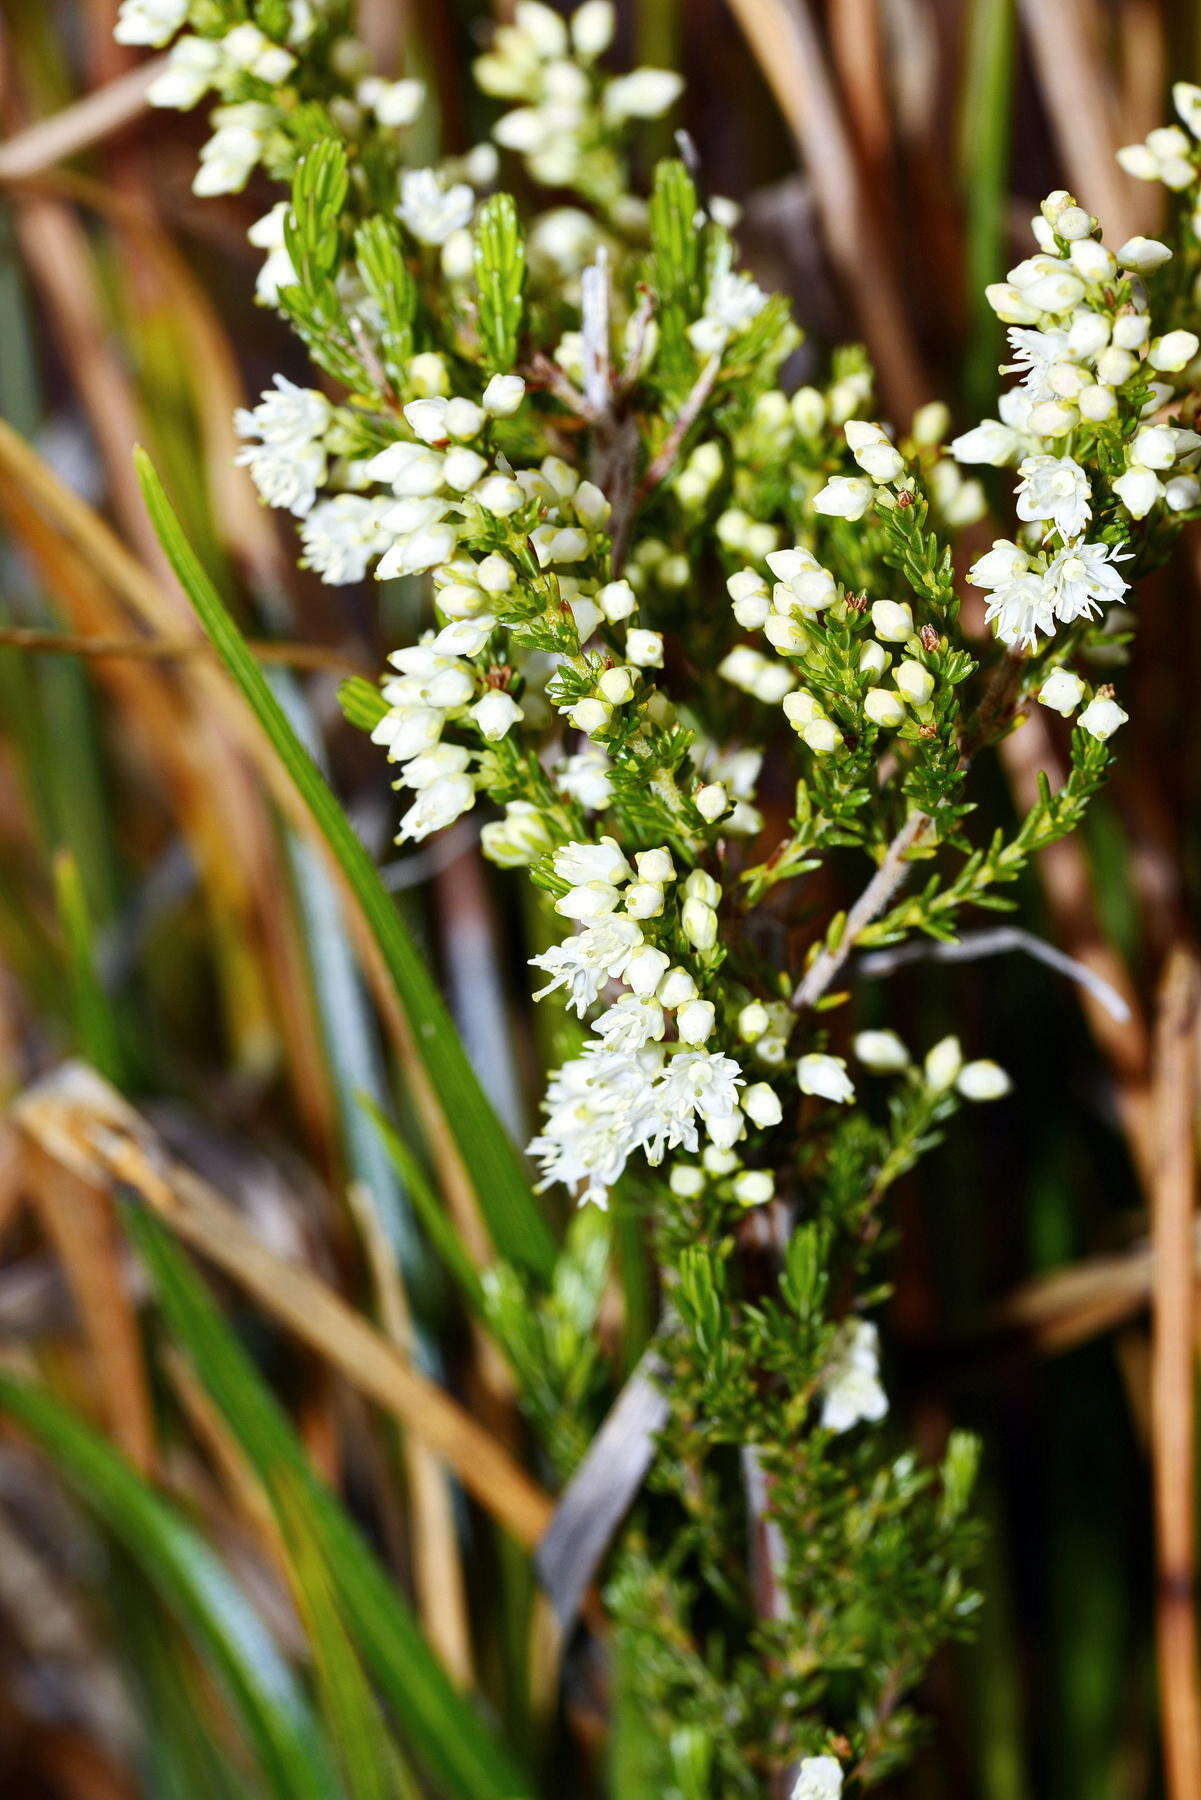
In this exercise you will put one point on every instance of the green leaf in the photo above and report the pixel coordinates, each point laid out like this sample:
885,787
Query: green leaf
445,1734
389,281
517,1228
184,1571
500,276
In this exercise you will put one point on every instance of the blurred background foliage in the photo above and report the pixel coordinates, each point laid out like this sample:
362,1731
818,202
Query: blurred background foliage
186,1608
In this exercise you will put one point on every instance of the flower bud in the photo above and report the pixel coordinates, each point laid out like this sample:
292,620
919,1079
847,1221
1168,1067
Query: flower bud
761,1104
943,1064
677,988
883,707
699,924
915,681
695,1021
881,1051
826,1077
892,620
1062,691
753,1187
983,1080
645,970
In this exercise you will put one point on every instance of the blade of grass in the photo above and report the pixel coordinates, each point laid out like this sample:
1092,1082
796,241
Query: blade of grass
86,1125
446,1734
517,1227
438,1226
985,139
369,1760
95,1026
187,1575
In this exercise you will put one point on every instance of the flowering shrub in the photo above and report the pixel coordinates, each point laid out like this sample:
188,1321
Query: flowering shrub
696,649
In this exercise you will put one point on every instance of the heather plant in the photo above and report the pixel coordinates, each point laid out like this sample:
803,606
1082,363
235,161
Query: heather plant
707,661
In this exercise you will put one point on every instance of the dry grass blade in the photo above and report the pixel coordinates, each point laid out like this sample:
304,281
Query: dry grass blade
81,1223
1058,1311
83,1123
77,127
783,37
171,649
1065,42
1172,1371
437,1565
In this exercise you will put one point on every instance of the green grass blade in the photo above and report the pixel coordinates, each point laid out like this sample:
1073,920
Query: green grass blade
369,1759
95,1026
443,1731
984,179
439,1227
517,1227
194,1584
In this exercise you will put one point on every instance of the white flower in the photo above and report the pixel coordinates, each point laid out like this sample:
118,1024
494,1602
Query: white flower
852,1391
732,303
503,396
825,1076
943,1064
394,103
631,1022
704,1083
881,1051
291,416
989,442
1036,353
884,707
341,536
1138,490
585,778
595,1107
576,863
761,1104
1082,580
1062,691
983,1080
149,21
285,475
1021,605
406,731
592,27
644,648
518,839
495,713
227,160
818,1778
915,681
892,620
583,963
873,452
695,1021
642,94
437,806
844,497
1054,488
192,68
433,213
277,271
1102,716
1143,254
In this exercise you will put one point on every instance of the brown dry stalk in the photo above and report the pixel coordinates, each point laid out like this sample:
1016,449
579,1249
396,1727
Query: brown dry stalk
78,126
171,649
1172,1370
83,1123
782,35
80,1221
437,1565
1065,40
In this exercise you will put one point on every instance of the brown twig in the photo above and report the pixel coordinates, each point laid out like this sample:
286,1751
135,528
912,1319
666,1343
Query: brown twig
66,643
1173,1353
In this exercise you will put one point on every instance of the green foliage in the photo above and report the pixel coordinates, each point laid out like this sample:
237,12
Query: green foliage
500,278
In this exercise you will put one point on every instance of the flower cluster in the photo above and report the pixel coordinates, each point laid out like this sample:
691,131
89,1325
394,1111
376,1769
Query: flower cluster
575,436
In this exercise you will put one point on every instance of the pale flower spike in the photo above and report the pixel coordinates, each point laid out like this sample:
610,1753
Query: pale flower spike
690,646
